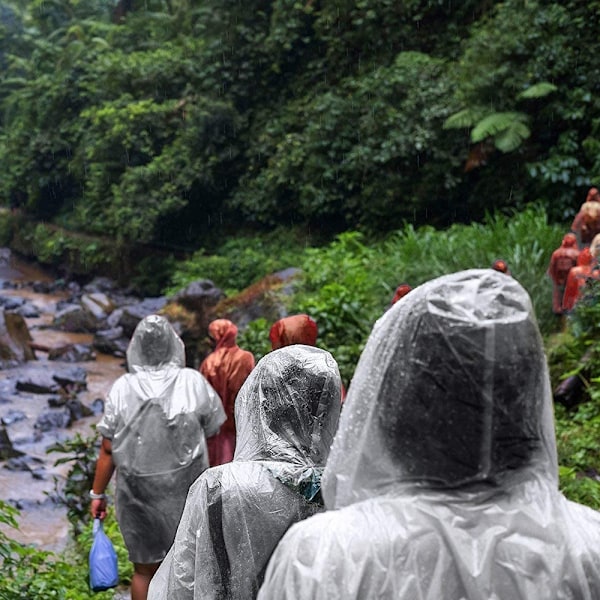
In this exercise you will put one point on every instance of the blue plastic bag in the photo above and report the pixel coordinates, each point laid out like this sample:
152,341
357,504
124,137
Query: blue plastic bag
104,572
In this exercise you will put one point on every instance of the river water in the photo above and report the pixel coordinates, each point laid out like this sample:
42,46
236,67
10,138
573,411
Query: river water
41,521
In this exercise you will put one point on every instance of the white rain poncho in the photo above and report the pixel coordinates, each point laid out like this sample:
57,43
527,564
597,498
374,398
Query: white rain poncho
157,417
442,479
286,416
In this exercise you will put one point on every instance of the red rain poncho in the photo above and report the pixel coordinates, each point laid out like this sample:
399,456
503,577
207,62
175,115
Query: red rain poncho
226,369
577,278
563,259
297,329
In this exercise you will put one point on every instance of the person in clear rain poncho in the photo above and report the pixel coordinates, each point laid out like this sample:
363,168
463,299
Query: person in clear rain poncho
442,480
156,419
286,416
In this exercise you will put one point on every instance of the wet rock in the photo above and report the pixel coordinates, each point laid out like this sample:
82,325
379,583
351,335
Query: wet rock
28,310
199,295
264,299
34,465
14,338
98,303
111,341
132,314
40,379
53,419
56,401
37,382
100,284
7,451
11,302
75,319
97,406
71,378
42,287
13,416
78,409
72,353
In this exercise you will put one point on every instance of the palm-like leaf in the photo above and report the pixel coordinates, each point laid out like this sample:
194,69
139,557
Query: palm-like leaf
463,118
539,90
494,124
511,138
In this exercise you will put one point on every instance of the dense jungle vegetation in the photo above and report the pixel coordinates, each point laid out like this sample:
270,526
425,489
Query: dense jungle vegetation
367,143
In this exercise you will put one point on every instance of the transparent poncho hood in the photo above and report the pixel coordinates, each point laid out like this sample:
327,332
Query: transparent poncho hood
288,408
452,390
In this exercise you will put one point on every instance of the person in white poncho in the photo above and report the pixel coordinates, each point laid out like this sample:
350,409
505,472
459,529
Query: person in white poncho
442,482
286,415
156,419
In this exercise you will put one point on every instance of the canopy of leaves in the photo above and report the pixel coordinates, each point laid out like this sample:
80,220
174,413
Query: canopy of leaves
180,122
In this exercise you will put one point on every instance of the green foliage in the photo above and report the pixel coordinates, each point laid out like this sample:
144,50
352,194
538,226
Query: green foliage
82,454
348,156
31,573
578,430
54,246
240,261
255,338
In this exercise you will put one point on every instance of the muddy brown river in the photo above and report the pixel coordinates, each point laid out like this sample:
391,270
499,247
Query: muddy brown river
41,522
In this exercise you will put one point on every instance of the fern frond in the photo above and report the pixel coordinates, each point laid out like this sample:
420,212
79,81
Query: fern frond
510,139
494,124
461,119
538,90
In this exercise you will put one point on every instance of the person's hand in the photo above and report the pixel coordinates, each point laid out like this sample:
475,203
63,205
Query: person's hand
98,508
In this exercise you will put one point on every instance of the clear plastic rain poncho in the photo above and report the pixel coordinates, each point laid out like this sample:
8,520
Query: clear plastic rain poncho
443,475
157,417
286,416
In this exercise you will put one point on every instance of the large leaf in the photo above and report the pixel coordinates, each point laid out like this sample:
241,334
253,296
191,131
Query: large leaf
511,138
461,119
539,90
494,124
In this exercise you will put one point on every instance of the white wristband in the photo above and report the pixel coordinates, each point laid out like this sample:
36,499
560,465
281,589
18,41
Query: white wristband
95,496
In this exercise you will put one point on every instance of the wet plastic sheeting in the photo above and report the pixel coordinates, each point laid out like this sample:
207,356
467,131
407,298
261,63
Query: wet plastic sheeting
286,417
158,416
442,480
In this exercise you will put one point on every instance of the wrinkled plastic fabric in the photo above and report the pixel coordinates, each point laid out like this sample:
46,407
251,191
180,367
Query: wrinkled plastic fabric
286,414
442,480
158,417
102,560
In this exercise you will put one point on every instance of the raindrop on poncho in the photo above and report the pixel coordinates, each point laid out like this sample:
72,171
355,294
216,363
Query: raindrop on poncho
286,416
442,480
157,417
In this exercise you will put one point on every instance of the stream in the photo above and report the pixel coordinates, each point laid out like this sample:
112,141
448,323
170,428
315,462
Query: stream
42,522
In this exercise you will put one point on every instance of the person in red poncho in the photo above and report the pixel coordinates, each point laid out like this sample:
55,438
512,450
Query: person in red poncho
586,223
577,279
563,259
226,369
297,329
400,292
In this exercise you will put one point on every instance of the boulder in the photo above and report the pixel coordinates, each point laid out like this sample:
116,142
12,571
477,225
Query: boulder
14,338
75,319
72,353
52,419
111,341
7,451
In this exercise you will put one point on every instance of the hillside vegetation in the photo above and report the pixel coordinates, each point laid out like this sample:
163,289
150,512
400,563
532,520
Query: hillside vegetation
180,123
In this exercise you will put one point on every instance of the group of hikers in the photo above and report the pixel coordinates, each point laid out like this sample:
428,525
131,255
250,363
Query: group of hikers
436,477
575,262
